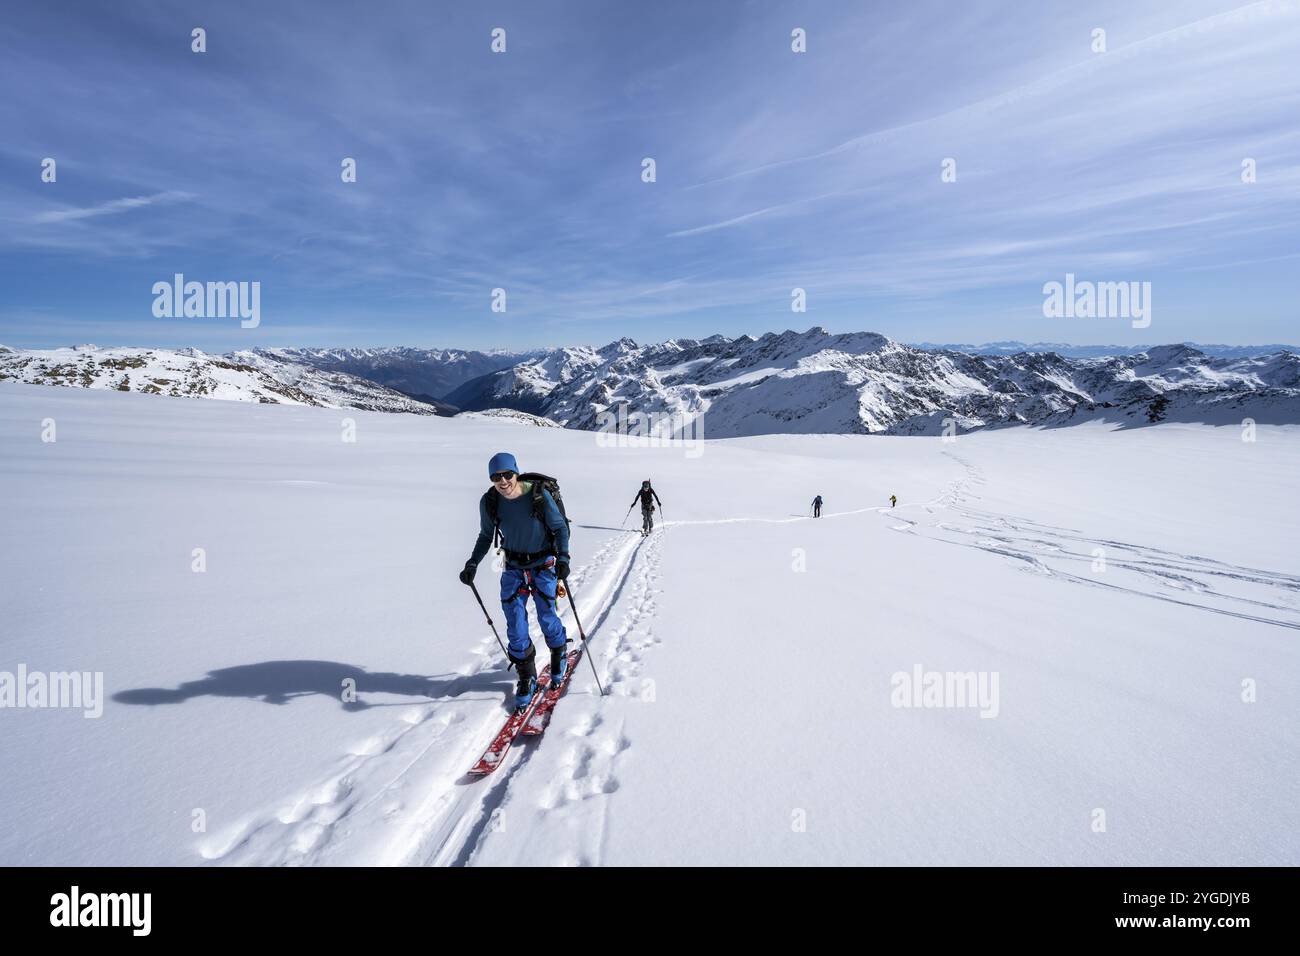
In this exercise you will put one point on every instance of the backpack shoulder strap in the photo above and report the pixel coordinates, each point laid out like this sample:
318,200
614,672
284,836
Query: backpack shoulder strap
538,482
490,504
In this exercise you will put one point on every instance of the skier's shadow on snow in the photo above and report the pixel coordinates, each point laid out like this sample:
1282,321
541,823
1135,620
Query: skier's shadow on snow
278,682
601,527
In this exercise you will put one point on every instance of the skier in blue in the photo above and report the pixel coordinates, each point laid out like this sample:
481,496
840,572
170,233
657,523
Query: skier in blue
817,506
536,544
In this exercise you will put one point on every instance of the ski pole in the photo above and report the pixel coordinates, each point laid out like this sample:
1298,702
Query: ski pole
583,634
511,665
629,514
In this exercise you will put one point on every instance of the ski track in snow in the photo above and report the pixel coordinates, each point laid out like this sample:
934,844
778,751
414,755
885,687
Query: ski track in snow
1207,584
455,812
436,814
450,835
595,740
403,776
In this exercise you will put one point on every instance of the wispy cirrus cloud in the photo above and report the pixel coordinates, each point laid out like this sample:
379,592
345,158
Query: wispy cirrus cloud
1260,13
111,207
522,170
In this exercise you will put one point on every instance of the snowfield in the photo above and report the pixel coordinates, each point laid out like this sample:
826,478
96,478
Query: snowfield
1132,594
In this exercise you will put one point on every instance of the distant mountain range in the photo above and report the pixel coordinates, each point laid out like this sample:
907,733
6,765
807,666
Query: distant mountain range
432,372
813,381
1099,351
861,382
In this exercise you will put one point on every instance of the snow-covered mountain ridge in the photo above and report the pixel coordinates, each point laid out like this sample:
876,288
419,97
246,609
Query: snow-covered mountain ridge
239,377
813,381
778,383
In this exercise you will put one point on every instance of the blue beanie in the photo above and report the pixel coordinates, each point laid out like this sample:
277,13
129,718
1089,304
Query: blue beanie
502,461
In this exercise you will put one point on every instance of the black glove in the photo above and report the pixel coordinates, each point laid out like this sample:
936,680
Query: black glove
467,575
561,569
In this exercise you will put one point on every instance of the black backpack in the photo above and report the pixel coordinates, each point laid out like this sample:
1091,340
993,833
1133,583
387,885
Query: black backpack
540,482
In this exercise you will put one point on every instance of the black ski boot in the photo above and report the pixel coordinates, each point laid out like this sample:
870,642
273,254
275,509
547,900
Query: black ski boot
559,663
527,670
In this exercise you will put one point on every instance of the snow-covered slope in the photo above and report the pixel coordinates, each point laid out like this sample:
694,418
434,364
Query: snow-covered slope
511,415
337,389
816,382
239,377
1128,587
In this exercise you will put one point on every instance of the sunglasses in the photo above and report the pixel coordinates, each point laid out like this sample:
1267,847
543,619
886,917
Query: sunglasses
502,476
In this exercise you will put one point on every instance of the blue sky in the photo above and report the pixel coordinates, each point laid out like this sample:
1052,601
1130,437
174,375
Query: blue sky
522,170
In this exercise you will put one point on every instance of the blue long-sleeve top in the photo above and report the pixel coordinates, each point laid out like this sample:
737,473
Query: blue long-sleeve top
520,530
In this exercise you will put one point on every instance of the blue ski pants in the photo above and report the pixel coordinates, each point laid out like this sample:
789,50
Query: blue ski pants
516,586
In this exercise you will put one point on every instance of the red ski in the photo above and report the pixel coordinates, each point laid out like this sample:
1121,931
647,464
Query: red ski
496,751
541,715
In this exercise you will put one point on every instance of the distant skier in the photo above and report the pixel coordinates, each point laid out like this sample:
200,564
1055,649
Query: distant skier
817,507
645,496
893,500
537,557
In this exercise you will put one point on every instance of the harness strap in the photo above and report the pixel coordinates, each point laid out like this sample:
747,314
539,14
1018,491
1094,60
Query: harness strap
530,585
528,557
